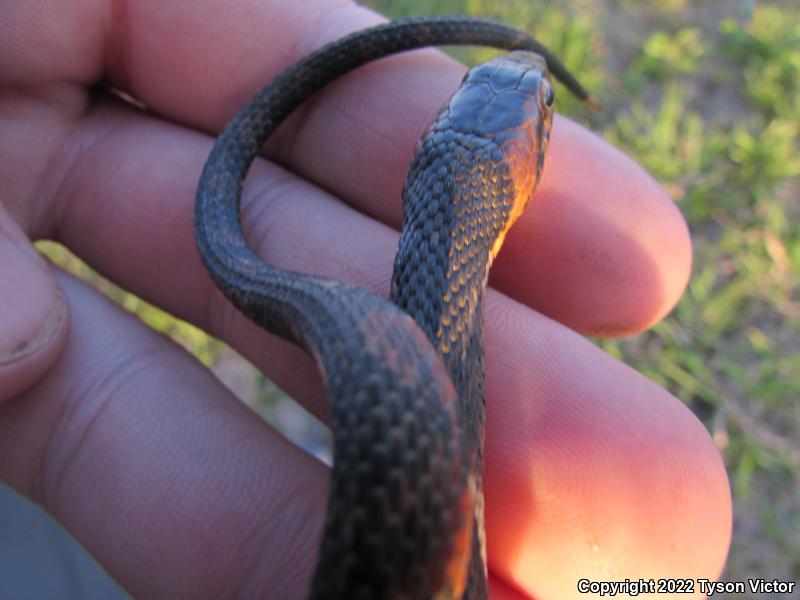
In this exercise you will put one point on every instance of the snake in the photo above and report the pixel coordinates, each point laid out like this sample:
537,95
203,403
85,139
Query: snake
404,376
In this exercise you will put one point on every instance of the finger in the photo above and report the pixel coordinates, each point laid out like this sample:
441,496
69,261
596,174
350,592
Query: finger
591,465
176,487
33,316
600,247
591,244
292,223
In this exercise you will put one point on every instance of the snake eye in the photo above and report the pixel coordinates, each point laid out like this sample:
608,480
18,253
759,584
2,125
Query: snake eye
549,96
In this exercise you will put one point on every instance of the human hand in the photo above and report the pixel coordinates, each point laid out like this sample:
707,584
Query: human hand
592,471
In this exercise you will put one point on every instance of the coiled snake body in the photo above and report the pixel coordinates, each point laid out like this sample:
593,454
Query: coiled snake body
404,380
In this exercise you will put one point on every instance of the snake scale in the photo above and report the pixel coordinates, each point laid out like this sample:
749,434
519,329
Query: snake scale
404,378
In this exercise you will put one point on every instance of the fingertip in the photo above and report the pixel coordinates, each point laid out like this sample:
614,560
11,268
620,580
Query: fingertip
604,249
592,466
33,314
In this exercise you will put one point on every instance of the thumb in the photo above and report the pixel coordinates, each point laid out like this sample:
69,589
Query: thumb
33,312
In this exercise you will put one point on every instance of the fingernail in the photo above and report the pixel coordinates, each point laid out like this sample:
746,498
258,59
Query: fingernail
32,308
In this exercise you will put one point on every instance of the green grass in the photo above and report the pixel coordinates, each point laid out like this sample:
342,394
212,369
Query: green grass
707,97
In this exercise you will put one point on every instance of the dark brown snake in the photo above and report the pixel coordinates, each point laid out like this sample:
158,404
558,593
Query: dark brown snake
404,379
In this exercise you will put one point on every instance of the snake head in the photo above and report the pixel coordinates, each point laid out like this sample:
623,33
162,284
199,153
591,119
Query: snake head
509,102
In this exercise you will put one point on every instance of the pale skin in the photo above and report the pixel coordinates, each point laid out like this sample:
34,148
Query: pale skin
592,471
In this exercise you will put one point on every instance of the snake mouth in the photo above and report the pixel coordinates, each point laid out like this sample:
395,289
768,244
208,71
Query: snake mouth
526,148
507,104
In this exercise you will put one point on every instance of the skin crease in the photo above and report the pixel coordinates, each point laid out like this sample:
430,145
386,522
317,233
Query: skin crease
592,471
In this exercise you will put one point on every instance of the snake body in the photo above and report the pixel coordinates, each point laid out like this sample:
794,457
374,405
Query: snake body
404,379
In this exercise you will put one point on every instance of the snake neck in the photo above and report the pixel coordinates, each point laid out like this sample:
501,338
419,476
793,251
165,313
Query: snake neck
472,175
446,248
449,239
